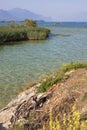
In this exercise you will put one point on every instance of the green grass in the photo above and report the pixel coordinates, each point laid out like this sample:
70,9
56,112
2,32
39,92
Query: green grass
10,34
50,80
59,75
73,65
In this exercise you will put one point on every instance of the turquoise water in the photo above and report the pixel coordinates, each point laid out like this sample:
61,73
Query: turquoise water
26,61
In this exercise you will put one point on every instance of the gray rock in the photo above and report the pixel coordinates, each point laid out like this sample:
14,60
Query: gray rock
1,127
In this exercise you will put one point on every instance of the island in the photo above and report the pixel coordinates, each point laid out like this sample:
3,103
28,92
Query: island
14,32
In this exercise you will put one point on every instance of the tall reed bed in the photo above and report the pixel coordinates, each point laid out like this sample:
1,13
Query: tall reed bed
10,34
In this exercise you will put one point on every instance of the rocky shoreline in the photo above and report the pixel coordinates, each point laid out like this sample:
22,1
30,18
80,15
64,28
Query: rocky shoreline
31,110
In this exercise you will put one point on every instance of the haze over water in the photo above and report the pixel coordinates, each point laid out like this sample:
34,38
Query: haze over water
26,61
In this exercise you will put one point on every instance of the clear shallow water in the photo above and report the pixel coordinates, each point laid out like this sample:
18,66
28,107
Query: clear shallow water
26,61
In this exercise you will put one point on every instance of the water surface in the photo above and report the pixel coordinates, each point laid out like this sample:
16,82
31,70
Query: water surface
26,61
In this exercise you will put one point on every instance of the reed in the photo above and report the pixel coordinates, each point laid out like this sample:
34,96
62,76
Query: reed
11,34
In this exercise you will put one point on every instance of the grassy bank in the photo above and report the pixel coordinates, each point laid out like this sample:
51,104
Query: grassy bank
11,34
59,76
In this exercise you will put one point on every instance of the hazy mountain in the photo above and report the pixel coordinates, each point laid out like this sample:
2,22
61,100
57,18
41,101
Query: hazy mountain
4,15
20,14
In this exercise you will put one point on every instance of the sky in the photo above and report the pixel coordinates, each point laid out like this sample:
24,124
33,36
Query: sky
59,10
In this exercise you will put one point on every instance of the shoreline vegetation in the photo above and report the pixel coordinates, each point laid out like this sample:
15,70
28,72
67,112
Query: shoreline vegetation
19,32
61,75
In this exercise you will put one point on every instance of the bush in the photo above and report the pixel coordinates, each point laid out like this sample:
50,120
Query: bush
59,75
73,65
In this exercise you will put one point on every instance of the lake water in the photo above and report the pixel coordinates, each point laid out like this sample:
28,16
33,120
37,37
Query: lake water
26,61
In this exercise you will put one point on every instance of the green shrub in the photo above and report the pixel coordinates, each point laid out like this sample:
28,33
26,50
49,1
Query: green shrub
73,65
59,75
29,23
50,80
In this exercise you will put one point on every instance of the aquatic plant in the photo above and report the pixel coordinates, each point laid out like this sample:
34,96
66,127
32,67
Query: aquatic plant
10,34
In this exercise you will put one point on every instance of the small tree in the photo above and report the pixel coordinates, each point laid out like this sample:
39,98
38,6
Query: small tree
30,23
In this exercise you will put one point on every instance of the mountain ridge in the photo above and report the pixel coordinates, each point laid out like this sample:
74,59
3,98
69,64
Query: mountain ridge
19,14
